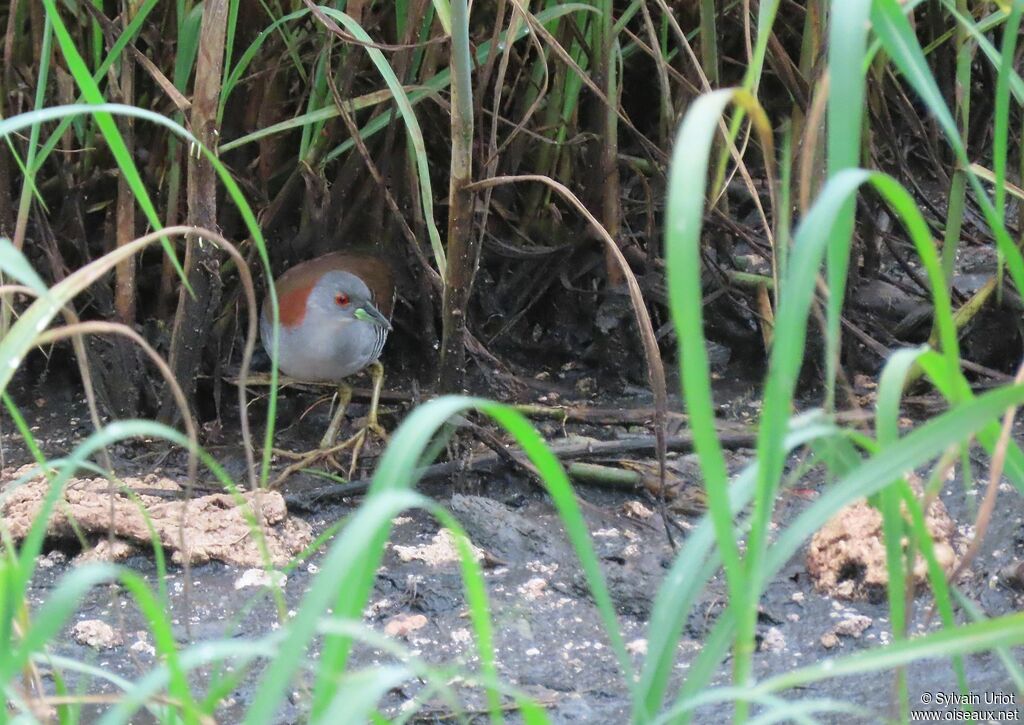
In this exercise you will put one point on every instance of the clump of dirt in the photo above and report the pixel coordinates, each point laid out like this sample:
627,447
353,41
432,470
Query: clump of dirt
846,557
97,634
217,526
850,625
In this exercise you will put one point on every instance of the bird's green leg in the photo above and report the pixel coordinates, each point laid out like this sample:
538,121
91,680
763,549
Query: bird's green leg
372,425
377,376
331,434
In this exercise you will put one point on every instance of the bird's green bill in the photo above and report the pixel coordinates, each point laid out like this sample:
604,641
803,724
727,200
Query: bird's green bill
372,315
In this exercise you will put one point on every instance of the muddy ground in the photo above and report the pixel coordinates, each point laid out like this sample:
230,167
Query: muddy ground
549,638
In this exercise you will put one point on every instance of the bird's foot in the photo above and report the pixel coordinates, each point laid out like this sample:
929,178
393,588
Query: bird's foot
308,459
357,441
327,455
328,449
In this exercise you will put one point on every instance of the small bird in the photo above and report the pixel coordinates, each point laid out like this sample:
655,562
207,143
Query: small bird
335,316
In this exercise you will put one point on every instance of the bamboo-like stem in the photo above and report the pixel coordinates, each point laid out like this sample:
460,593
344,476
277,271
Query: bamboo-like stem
11,222
606,78
194,316
124,273
463,245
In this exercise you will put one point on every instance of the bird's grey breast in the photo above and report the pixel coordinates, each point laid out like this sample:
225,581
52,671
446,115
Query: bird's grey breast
327,352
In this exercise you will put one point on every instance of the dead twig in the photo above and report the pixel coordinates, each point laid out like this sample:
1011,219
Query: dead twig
572,450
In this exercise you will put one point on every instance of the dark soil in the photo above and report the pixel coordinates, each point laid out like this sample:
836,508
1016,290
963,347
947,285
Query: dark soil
549,638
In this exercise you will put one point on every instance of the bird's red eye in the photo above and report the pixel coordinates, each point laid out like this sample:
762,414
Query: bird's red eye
341,299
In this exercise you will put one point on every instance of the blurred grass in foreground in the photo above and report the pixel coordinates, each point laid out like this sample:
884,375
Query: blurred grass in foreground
193,679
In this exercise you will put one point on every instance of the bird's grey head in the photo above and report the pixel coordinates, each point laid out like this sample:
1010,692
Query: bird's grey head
340,296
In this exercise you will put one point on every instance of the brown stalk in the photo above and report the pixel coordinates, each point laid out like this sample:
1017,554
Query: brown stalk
766,315
808,61
168,275
124,273
652,355
355,8
9,39
811,165
665,117
6,207
24,204
747,34
736,153
195,314
788,72
463,245
490,166
606,127
485,72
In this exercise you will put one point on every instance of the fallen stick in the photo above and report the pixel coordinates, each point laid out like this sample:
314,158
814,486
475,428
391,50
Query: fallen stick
574,412
597,416
262,380
566,451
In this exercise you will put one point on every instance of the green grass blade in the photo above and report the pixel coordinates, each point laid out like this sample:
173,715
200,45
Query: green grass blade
899,40
847,47
116,50
1001,112
683,224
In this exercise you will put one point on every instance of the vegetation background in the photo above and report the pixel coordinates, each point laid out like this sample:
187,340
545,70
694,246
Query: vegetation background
553,181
